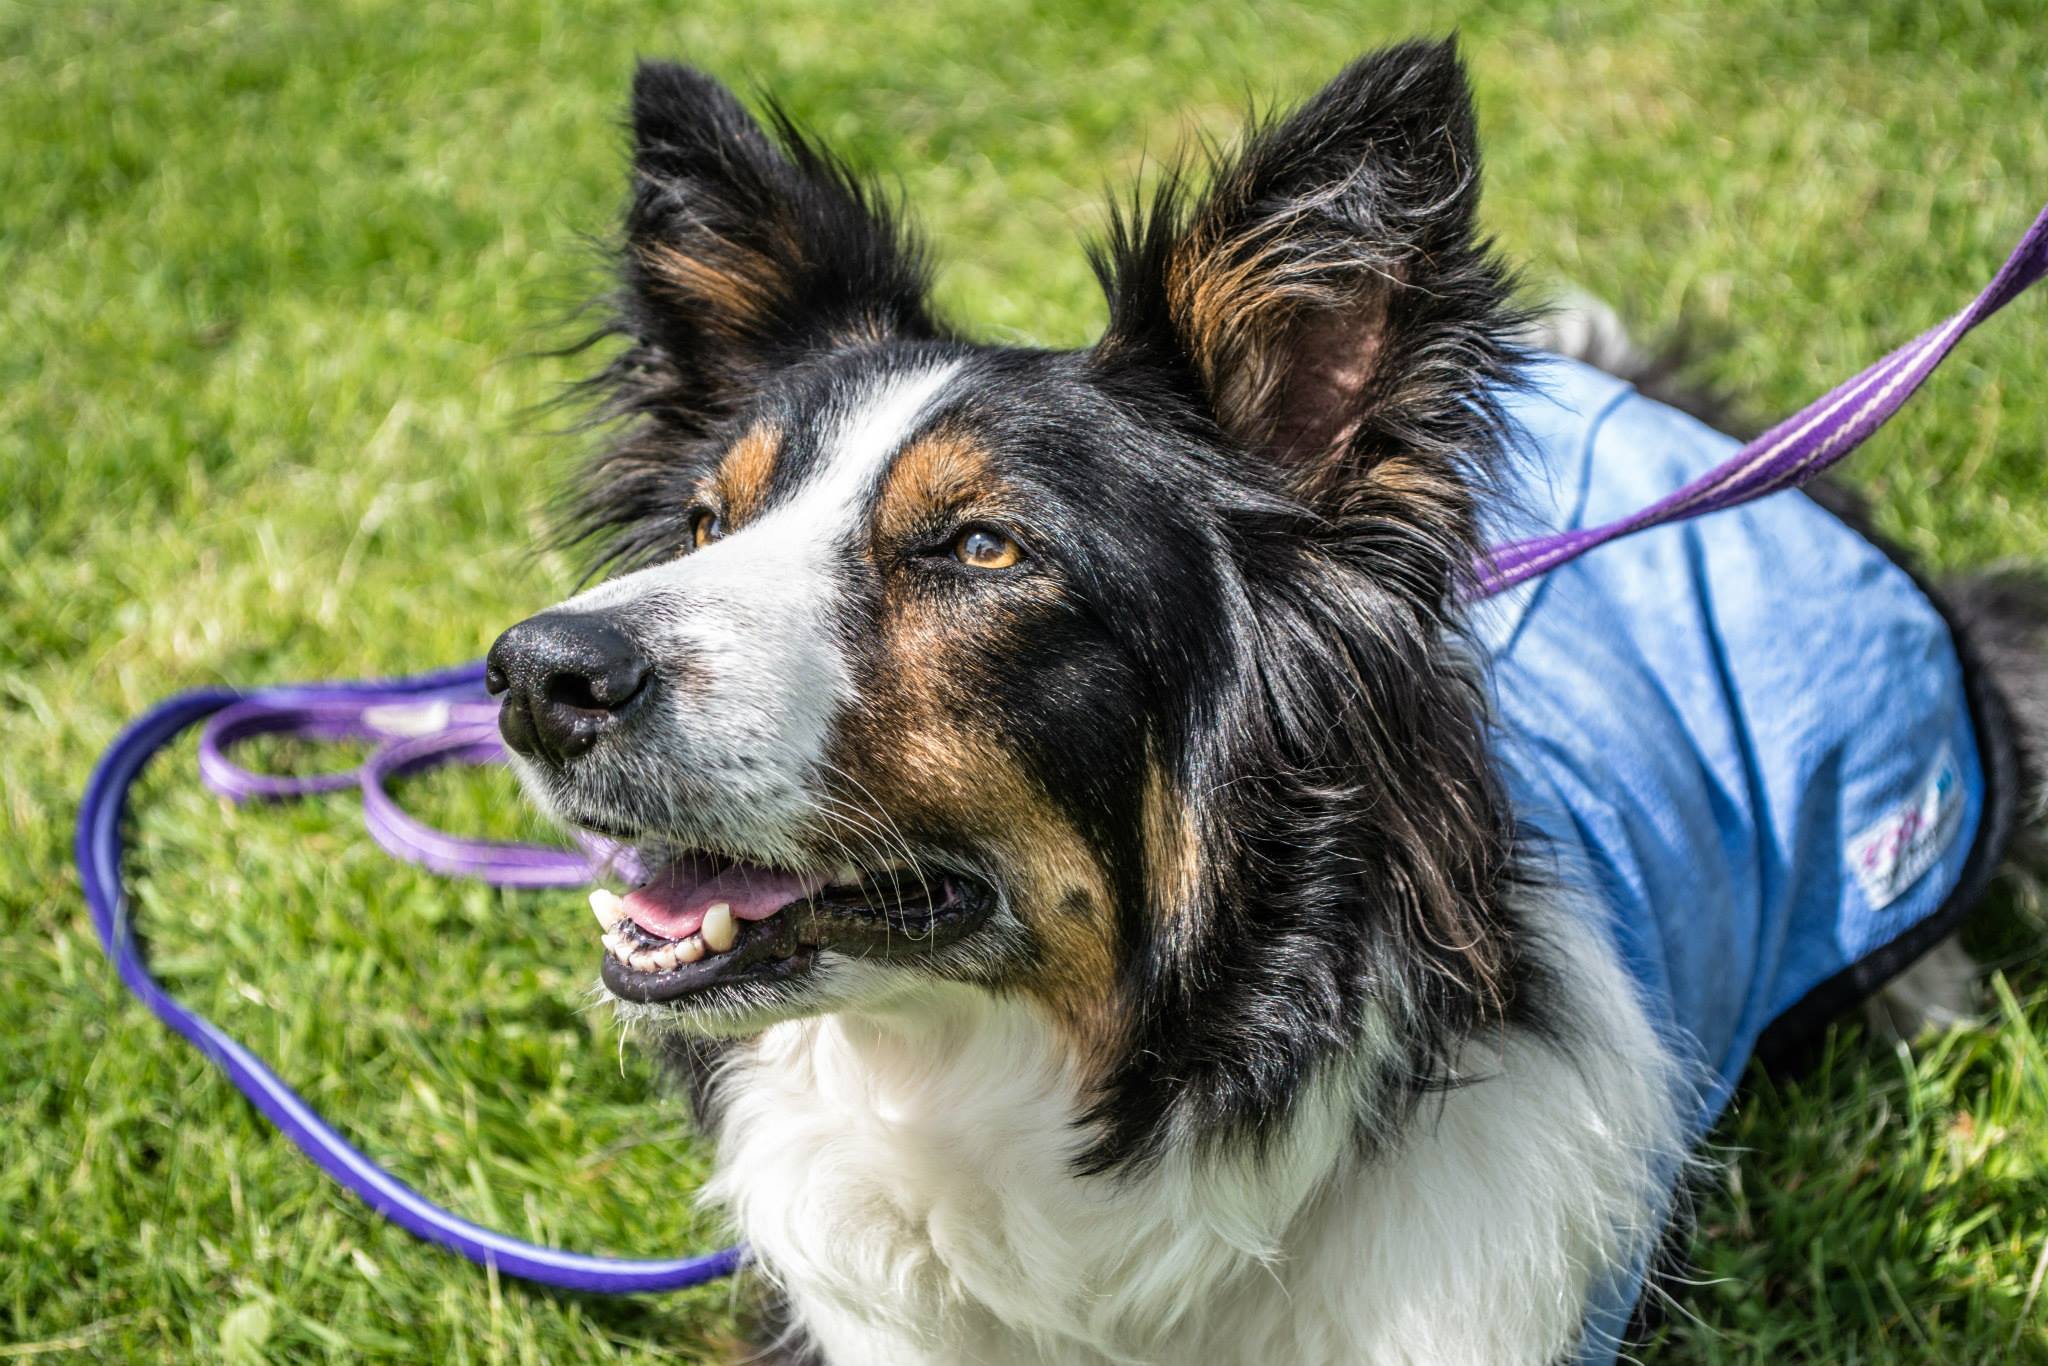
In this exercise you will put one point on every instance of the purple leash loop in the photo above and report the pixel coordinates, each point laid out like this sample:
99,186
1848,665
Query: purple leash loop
452,703
444,717
448,726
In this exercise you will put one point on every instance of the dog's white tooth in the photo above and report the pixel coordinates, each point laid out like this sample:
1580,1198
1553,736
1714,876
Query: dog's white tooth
846,875
691,949
615,944
609,908
719,928
647,960
668,956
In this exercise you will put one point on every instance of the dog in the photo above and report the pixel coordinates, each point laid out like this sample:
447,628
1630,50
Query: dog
1110,891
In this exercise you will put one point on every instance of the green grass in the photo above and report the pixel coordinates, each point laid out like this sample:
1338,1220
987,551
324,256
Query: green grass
266,282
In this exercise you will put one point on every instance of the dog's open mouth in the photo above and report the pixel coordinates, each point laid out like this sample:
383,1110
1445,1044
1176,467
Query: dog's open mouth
704,921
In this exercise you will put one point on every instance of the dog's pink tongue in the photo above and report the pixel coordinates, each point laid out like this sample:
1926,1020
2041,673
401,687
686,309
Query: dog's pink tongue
673,904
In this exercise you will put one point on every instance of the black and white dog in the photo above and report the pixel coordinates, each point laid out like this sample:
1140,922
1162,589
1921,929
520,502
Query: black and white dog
1077,878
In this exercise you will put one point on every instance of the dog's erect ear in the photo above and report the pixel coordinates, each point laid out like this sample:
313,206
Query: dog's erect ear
1326,296
744,249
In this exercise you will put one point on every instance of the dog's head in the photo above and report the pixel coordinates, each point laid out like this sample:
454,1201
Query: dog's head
1121,680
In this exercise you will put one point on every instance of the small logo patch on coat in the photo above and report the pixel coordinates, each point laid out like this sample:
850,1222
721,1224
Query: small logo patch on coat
1893,852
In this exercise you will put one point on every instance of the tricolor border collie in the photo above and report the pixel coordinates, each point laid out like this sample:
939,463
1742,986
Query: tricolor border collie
1083,877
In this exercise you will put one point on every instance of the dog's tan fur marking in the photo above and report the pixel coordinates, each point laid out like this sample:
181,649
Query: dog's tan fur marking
944,770
1065,897
1284,322
745,472
943,471
734,288
1233,298
1173,847
917,750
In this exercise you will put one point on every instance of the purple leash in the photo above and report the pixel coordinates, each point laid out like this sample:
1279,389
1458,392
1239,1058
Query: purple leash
1796,449
459,726
426,719
444,717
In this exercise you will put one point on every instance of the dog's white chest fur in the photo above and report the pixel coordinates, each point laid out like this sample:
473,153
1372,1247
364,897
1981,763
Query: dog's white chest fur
907,1179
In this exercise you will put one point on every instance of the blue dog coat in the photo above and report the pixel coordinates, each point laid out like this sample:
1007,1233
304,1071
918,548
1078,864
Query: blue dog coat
1751,731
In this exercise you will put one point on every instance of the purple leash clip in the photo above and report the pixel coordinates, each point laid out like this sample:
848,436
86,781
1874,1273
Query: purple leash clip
444,717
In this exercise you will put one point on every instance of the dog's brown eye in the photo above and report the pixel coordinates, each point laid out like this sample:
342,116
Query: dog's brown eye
982,547
705,527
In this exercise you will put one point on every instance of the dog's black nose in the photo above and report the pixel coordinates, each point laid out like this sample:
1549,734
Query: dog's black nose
565,679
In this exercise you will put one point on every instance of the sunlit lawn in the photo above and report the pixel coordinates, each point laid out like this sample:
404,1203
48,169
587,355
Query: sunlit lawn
270,288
